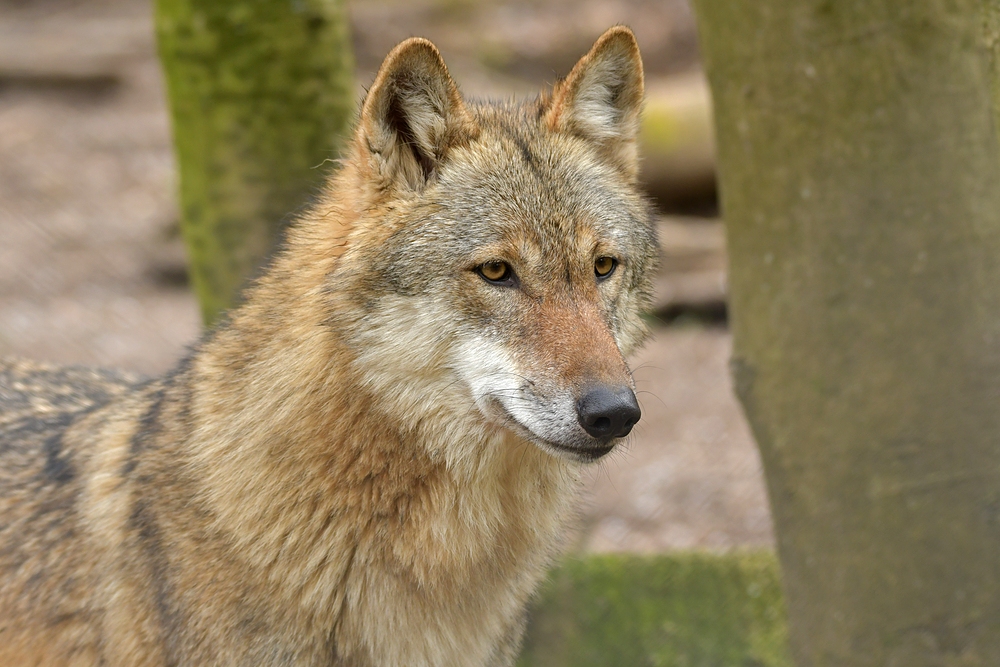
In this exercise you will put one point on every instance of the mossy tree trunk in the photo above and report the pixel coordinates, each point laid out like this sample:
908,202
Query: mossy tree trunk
260,91
860,180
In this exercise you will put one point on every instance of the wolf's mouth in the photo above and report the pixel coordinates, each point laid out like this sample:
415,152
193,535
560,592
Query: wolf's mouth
588,454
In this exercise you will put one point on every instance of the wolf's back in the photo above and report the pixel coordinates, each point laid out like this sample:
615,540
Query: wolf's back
30,390
37,404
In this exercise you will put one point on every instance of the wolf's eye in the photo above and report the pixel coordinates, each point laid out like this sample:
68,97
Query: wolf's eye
496,272
604,266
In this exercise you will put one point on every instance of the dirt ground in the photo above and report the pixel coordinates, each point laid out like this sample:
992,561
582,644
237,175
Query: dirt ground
92,270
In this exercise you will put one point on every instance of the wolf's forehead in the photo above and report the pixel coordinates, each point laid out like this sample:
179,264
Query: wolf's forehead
532,186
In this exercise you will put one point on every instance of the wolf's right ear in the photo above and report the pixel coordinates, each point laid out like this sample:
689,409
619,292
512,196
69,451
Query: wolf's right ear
412,116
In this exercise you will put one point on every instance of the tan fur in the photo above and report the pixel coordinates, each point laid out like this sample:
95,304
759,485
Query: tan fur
374,459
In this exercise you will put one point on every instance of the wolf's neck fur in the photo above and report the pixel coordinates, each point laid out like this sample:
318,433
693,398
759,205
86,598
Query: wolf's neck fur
372,473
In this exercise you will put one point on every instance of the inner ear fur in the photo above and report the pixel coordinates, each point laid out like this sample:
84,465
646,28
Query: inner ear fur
412,116
601,99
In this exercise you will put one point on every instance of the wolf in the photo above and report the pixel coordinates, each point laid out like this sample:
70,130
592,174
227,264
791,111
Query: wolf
374,458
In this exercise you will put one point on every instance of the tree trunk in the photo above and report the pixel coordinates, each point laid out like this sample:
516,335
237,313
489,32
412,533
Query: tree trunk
860,181
259,93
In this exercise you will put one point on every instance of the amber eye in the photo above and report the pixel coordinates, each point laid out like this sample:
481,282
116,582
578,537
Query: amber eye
603,266
495,272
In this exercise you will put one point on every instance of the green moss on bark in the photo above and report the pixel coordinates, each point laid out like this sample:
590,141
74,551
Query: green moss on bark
676,610
259,93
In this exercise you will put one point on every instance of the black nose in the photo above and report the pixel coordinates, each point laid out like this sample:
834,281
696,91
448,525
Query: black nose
608,412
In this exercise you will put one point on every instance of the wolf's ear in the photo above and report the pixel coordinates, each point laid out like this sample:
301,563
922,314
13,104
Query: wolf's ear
412,116
601,98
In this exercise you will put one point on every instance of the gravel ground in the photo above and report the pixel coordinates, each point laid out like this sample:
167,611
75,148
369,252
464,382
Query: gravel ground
92,271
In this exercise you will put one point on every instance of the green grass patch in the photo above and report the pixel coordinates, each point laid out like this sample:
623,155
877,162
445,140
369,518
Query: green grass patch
671,610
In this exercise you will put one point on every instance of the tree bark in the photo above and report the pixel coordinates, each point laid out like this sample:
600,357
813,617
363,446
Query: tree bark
259,94
860,181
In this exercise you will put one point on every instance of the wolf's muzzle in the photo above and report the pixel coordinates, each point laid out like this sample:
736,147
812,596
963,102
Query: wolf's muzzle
608,412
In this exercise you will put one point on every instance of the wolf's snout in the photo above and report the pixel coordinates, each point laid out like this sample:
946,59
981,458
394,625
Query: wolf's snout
608,412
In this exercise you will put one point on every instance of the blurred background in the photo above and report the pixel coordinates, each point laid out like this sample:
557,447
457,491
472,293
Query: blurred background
92,267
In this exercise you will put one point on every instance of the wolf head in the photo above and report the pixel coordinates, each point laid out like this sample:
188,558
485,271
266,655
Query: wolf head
499,254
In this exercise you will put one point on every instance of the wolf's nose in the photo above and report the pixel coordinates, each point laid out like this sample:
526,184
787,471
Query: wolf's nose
608,412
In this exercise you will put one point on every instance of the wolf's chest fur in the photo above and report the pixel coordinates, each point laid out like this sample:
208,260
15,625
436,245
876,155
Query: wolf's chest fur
374,459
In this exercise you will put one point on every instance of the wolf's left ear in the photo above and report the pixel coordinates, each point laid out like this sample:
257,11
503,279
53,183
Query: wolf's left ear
601,98
412,116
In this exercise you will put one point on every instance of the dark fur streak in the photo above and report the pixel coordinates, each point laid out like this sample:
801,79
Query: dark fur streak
147,427
184,405
57,467
522,145
148,536
527,155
